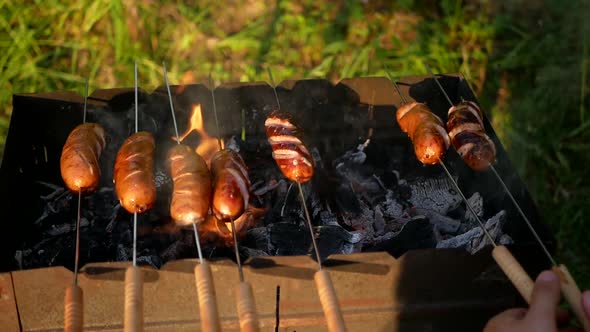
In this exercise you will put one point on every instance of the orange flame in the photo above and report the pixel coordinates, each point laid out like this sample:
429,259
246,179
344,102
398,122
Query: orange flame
208,145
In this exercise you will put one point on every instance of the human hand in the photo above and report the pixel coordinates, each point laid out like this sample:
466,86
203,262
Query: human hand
542,314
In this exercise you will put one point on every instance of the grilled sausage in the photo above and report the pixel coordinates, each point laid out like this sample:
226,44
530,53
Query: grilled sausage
288,150
426,131
231,185
467,133
134,173
192,185
79,157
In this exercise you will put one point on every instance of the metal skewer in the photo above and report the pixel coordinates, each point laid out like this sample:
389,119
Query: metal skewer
203,276
74,297
244,296
509,265
324,285
569,287
77,255
133,275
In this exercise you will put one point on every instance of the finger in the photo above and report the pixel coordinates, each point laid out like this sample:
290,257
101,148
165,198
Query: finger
505,319
546,294
586,303
513,314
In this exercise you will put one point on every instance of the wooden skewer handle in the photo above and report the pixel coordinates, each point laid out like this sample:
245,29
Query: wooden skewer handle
514,271
572,294
74,309
247,308
207,299
329,301
133,299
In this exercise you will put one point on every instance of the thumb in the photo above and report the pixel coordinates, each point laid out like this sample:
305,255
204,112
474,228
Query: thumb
545,298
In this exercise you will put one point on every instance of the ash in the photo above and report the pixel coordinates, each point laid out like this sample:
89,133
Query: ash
357,206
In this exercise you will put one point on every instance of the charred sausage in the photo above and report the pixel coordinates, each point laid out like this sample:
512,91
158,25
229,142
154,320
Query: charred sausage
426,131
79,157
289,152
467,133
134,173
231,185
191,196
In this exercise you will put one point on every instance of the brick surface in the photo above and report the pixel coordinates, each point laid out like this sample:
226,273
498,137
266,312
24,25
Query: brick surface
170,302
8,312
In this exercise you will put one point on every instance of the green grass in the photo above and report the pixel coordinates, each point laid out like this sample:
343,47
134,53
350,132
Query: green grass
527,61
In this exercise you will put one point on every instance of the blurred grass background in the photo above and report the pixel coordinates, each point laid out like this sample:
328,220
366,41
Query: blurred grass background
526,60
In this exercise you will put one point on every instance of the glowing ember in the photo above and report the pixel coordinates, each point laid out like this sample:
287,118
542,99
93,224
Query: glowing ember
208,145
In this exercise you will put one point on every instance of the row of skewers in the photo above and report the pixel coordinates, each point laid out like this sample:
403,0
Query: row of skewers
224,188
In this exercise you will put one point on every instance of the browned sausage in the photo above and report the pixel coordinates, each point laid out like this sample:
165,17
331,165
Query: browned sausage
426,131
134,173
79,157
191,197
288,150
231,185
467,133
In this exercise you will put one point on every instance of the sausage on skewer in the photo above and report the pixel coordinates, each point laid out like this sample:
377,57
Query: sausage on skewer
467,133
191,197
134,173
81,173
426,131
79,158
291,155
231,185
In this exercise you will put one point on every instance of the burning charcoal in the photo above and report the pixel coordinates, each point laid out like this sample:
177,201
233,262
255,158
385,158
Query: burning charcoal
362,221
317,157
442,223
346,200
359,177
66,228
357,156
113,218
175,250
494,226
334,239
102,204
505,240
122,255
436,194
286,239
385,237
261,188
315,206
476,202
152,260
257,238
57,202
18,257
328,218
390,179
247,252
391,207
379,223
415,234
475,239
